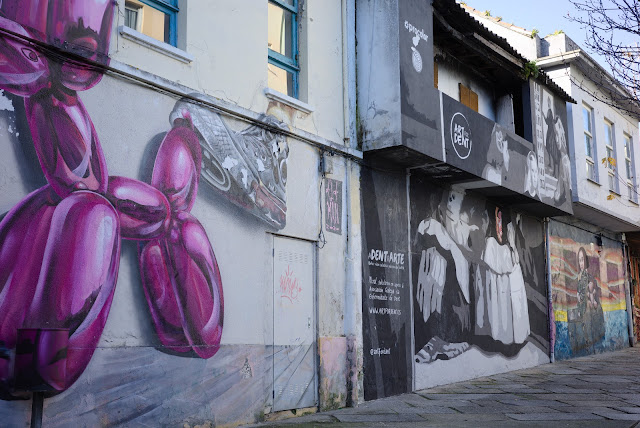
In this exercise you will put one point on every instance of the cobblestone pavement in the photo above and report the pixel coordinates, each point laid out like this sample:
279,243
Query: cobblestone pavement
599,390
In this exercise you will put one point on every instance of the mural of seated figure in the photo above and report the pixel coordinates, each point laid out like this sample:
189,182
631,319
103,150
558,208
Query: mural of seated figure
470,289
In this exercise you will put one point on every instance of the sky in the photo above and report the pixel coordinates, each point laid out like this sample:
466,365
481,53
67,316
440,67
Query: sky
546,16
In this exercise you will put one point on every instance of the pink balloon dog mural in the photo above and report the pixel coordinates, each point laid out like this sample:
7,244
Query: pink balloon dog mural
60,246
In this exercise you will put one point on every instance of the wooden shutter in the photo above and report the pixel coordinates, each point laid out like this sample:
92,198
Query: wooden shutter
468,97
464,94
473,100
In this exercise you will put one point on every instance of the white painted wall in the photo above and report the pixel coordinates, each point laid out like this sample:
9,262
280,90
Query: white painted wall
587,192
228,41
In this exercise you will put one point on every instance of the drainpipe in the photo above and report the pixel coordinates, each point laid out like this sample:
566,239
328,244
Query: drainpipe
552,321
627,292
353,265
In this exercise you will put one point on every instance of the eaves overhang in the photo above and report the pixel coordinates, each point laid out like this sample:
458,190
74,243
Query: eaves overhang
598,74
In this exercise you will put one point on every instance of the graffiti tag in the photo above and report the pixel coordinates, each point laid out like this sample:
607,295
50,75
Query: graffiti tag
289,286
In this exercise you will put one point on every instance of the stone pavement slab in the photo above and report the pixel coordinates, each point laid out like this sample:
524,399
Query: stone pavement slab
596,391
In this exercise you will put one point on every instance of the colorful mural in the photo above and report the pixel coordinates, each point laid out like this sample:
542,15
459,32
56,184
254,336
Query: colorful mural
60,246
478,282
588,297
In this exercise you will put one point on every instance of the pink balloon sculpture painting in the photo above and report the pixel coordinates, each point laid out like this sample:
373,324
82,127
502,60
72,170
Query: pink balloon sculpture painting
60,246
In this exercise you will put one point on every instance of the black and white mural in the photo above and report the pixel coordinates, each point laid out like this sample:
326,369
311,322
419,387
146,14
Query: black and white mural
479,291
548,165
538,169
386,291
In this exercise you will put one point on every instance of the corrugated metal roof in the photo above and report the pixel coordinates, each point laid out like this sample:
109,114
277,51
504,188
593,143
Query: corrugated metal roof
460,19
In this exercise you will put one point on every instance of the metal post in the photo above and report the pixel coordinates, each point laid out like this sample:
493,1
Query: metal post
36,409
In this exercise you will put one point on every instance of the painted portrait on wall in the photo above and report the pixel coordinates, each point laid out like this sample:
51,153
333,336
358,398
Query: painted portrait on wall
589,306
548,165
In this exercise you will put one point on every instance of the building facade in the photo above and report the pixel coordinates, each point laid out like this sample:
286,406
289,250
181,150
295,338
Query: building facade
180,206
461,170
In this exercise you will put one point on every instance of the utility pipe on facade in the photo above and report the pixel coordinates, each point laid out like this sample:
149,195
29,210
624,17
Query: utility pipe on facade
352,292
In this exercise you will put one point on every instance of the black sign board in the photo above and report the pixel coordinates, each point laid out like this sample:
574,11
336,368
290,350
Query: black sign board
386,296
333,205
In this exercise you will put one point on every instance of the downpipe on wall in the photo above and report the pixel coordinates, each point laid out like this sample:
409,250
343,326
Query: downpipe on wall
551,317
353,290
627,290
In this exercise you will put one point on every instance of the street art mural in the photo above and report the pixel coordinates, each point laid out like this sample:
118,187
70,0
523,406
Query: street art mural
588,297
248,167
60,246
479,294
548,165
538,169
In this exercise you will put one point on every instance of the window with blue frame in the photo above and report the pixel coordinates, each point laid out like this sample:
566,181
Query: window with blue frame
154,18
283,68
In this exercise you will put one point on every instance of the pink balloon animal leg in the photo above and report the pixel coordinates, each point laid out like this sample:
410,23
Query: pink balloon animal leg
143,210
23,235
180,274
78,275
75,246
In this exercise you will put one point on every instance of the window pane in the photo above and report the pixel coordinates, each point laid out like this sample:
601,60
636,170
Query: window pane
611,182
630,192
590,171
627,146
279,37
587,145
152,22
280,80
131,17
608,134
586,118
609,154
628,163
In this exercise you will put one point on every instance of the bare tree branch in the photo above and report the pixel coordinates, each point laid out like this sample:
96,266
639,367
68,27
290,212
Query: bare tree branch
613,31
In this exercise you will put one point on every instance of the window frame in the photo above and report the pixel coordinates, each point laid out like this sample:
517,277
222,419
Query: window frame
290,65
130,6
610,147
588,133
169,8
630,167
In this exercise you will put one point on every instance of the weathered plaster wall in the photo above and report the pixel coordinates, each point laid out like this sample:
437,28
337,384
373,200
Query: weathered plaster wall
228,41
588,192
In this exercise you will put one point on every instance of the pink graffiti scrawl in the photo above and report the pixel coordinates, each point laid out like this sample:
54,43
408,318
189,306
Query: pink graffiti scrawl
60,246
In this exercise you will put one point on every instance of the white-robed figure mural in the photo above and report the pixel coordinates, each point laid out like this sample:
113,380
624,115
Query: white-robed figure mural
478,277
501,300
